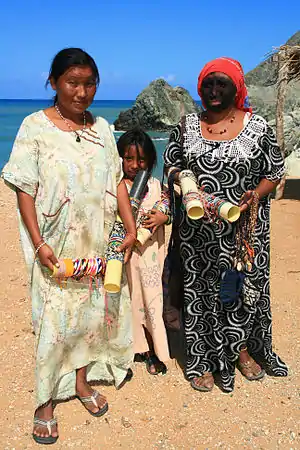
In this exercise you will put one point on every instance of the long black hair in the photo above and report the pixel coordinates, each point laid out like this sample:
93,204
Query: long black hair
139,138
69,57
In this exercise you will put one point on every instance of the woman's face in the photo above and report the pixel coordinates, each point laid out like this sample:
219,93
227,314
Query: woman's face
133,161
218,92
75,89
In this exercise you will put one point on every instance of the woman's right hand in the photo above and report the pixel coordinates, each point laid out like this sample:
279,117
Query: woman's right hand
47,257
246,201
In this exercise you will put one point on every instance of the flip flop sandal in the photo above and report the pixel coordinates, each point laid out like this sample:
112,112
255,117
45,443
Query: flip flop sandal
93,399
249,365
153,360
127,378
202,388
47,424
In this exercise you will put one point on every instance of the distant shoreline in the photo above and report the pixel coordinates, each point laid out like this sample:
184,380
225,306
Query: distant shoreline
50,99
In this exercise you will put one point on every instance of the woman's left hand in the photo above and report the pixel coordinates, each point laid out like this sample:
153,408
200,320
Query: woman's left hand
246,200
156,219
127,246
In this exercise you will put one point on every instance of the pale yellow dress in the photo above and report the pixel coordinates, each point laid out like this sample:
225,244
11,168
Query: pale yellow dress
144,273
74,186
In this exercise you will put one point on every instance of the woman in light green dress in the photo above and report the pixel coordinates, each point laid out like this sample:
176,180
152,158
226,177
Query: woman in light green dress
67,174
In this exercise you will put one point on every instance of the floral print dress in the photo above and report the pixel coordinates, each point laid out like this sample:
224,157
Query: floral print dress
74,185
144,272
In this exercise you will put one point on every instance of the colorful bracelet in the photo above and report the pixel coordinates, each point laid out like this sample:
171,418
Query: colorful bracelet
169,221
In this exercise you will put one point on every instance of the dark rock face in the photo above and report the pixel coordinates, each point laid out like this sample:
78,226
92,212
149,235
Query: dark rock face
158,107
262,89
263,99
266,73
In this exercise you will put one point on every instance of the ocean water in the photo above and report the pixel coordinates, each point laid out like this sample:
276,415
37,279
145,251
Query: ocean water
12,112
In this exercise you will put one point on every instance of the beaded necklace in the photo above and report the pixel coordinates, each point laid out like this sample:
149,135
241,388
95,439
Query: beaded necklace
78,136
226,119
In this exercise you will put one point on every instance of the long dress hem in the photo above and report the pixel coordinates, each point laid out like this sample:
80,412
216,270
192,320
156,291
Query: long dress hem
74,185
215,332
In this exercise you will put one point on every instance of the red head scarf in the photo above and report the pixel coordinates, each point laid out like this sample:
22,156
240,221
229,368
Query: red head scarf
232,69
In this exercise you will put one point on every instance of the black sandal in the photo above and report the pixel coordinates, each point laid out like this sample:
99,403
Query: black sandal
47,424
128,376
93,399
152,360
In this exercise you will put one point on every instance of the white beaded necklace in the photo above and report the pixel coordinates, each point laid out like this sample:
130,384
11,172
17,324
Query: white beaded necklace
78,136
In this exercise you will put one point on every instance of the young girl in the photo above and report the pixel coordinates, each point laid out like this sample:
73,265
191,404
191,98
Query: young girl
144,270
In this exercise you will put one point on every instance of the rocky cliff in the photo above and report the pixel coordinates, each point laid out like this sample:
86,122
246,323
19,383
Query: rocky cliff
158,107
261,83
266,73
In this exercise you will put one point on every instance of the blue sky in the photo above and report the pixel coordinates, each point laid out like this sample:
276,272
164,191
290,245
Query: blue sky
134,42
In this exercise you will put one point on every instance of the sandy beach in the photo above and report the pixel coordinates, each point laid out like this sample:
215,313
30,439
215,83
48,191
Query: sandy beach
161,412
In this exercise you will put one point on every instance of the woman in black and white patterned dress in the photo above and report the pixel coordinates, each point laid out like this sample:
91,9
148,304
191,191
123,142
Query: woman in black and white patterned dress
234,155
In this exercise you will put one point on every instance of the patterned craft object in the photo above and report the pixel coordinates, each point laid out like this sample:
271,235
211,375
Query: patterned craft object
162,205
190,195
109,267
114,264
113,275
198,203
116,238
216,208
79,268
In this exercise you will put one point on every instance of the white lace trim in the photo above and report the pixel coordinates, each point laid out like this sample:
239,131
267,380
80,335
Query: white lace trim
240,148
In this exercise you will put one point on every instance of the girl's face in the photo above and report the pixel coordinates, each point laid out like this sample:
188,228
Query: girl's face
133,161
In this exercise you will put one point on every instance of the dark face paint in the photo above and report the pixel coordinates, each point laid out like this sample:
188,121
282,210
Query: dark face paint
218,92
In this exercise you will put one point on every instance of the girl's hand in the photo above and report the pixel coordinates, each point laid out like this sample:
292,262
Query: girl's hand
127,245
246,200
47,257
156,219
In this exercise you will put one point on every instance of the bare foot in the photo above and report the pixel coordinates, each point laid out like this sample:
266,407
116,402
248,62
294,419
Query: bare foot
152,369
45,413
204,383
83,389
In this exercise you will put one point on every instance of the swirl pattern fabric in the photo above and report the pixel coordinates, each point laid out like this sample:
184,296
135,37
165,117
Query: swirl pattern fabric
215,332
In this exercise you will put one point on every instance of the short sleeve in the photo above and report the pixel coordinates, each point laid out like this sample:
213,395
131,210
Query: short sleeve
173,156
273,167
21,171
116,159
